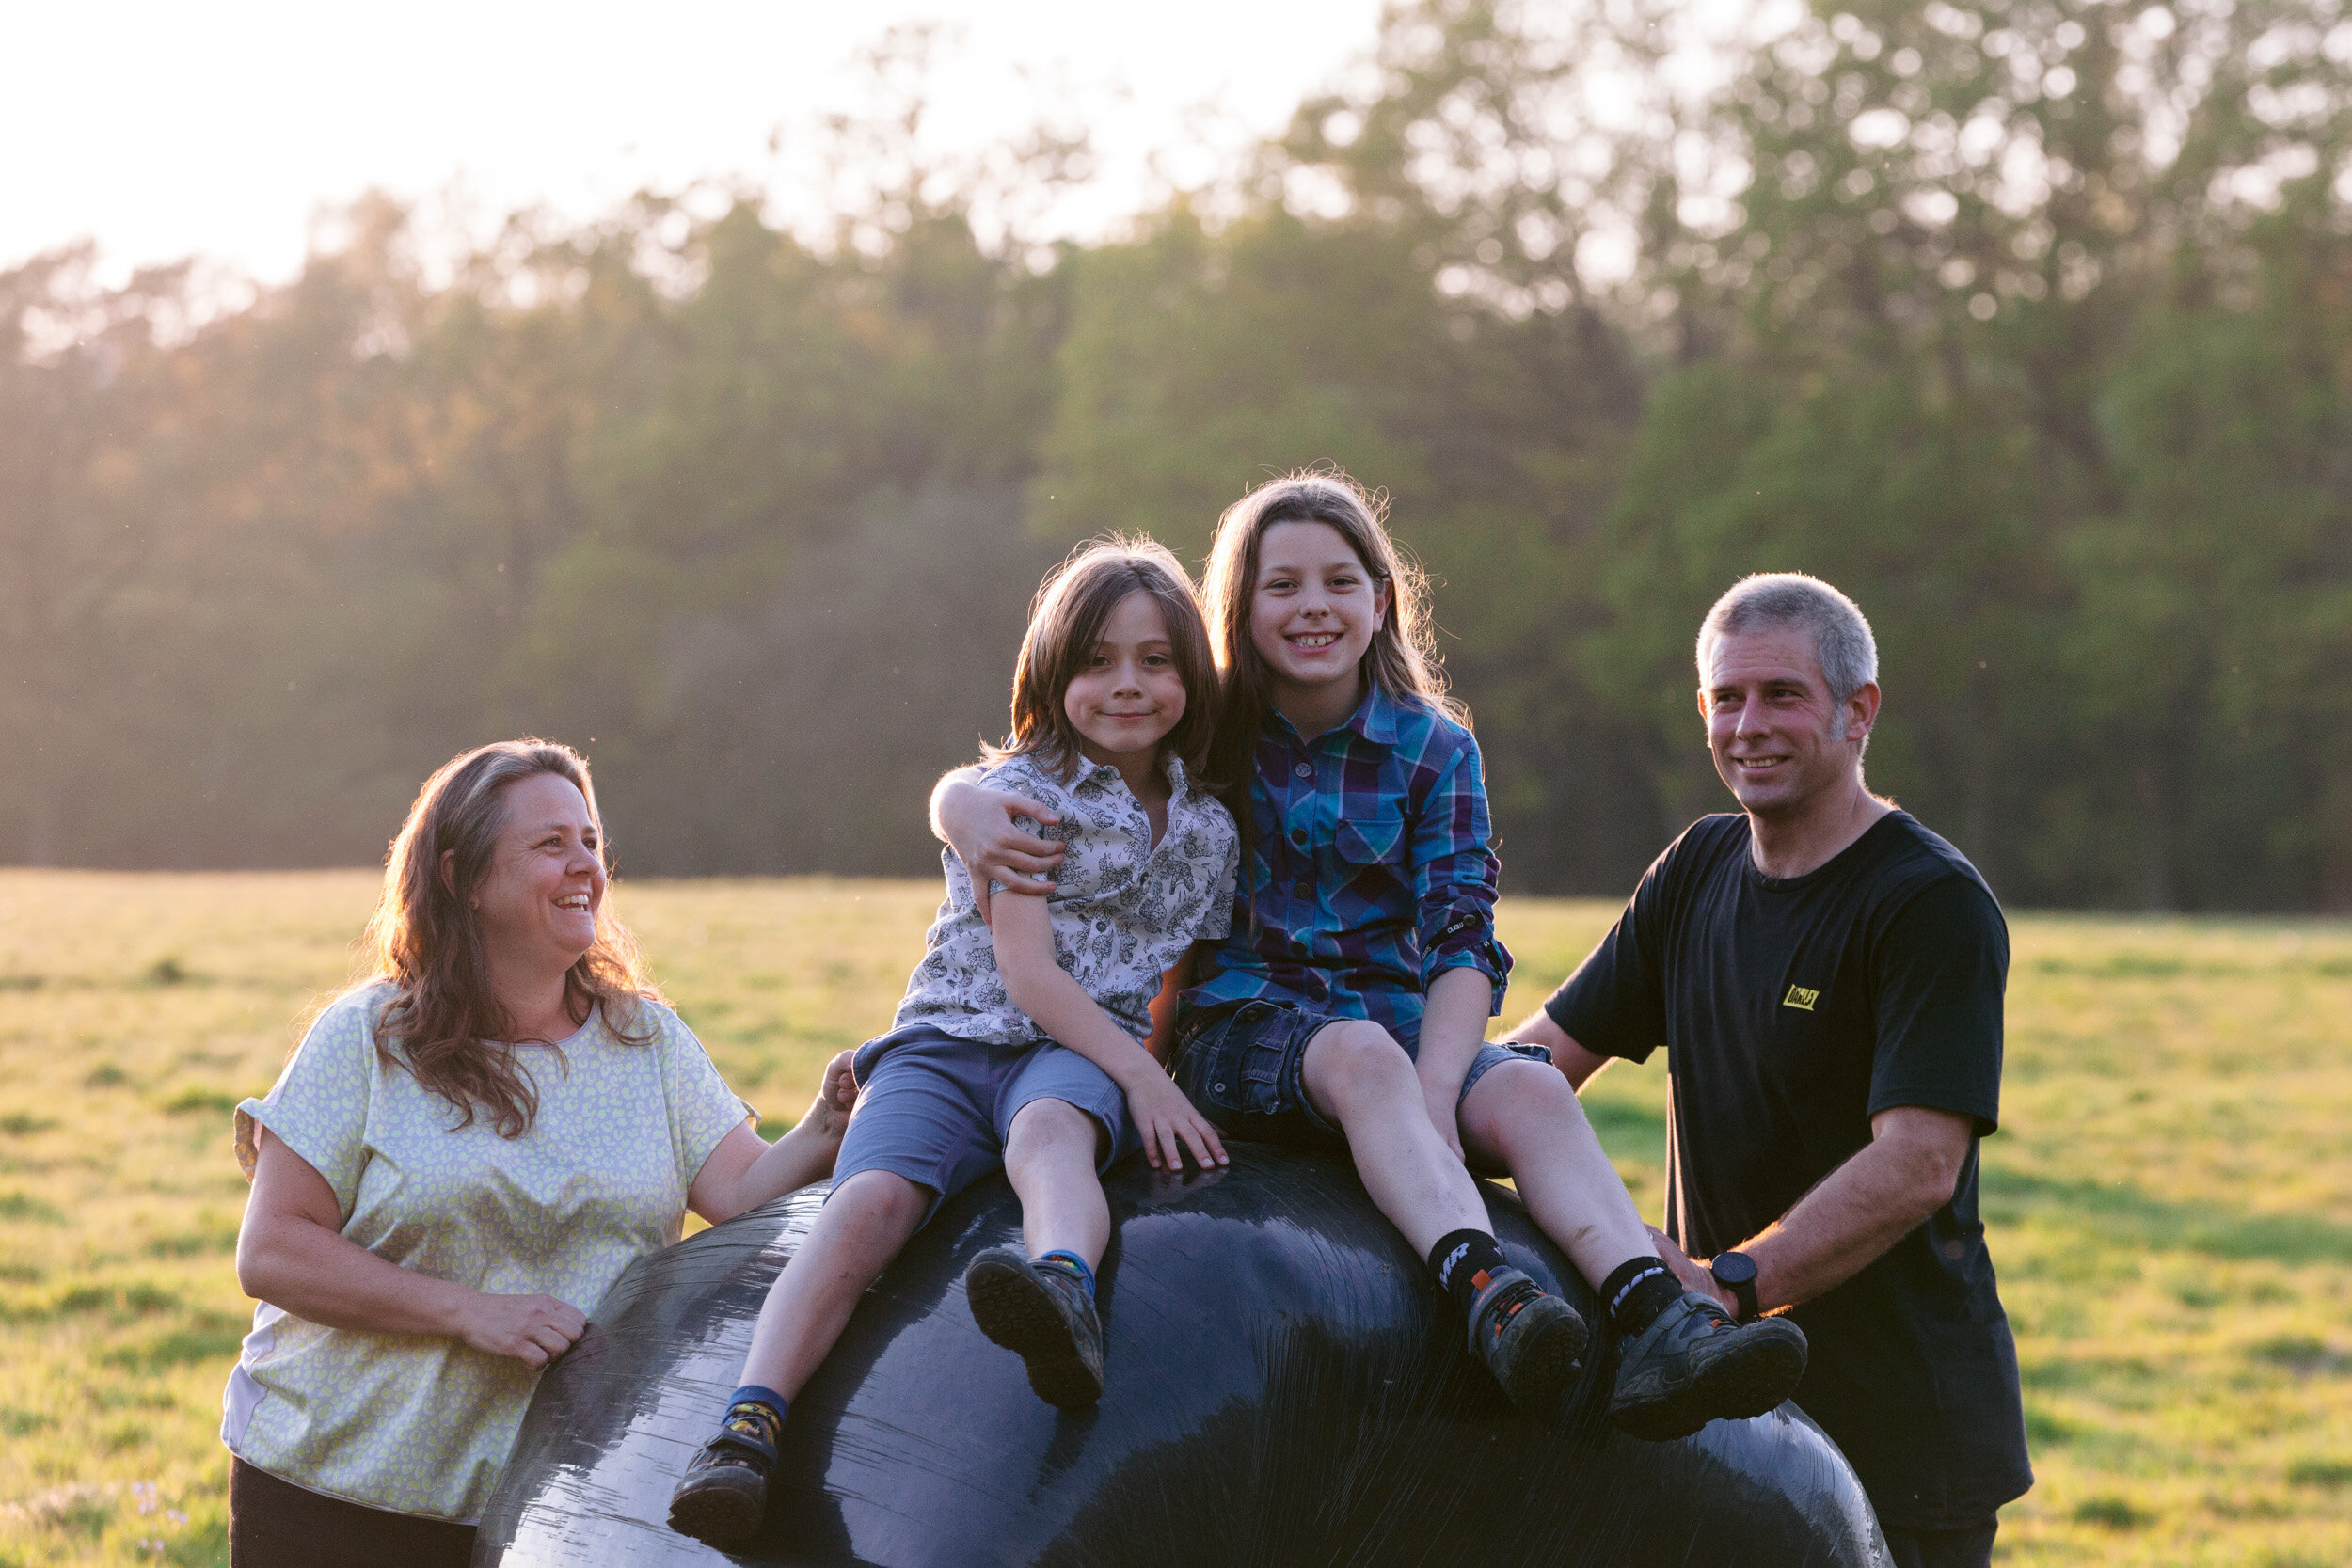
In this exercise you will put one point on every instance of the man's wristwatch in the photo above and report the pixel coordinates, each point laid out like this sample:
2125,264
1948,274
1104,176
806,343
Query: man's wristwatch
1735,1272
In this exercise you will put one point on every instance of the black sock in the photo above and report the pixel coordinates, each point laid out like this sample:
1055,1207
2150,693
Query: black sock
1636,1292
1461,1263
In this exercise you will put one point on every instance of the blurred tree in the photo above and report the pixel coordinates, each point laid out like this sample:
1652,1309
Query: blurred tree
2027,322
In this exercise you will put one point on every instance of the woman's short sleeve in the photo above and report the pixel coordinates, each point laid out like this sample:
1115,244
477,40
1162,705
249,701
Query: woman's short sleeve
319,1106
703,1110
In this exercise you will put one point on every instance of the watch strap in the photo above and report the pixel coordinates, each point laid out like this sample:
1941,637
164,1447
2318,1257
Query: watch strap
1739,1280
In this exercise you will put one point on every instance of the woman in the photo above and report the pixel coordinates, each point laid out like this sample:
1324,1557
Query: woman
460,1156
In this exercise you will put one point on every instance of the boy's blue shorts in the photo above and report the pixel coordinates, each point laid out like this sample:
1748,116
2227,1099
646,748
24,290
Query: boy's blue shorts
1243,1064
936,1110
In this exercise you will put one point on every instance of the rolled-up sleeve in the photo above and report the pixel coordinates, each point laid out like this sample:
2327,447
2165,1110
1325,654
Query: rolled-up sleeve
1455,878
319,1106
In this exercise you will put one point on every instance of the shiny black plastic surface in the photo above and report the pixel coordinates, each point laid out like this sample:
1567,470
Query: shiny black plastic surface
1284,1386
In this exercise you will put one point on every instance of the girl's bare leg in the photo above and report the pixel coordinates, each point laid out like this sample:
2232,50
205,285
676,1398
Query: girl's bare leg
1359,1077
1525,1118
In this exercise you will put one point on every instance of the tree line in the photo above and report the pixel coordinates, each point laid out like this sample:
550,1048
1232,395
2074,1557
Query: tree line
2026,321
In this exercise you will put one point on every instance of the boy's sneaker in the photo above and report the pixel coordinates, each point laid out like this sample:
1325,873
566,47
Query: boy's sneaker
1694,1365
724,1493
1043,1316
1531,1340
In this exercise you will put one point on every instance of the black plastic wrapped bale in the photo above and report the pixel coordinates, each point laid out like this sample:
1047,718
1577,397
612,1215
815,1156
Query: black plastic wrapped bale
1284,1385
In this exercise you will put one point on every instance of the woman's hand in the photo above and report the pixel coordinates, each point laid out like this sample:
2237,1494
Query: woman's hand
291,1254
1169,1124
829,1113
533,1330
977,824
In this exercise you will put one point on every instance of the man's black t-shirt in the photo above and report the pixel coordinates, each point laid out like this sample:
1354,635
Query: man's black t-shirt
1792,1010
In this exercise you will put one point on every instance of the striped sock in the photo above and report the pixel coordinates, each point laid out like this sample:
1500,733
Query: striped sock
1071,1264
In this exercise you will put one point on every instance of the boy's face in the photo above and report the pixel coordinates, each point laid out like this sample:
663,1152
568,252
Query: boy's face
1129,693
1314,608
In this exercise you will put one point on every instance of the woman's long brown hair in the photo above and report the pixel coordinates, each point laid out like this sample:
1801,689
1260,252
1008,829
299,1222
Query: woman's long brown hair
443,1023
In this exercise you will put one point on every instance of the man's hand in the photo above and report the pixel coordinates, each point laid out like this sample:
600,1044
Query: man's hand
978,824
1169,1123
1694,1276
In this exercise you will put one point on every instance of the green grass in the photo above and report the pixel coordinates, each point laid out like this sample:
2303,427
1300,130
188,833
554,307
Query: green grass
2170,1198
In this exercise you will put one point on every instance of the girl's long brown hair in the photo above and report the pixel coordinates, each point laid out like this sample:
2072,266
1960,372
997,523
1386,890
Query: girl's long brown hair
1066,619
443,1023
1403,659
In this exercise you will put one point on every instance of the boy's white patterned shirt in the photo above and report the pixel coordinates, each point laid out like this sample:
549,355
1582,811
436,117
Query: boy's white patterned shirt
1124,909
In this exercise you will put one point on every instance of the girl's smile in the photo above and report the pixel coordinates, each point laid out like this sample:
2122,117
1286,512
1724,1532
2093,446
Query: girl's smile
1312,614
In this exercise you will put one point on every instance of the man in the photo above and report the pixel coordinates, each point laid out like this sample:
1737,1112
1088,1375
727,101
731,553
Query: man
1826,975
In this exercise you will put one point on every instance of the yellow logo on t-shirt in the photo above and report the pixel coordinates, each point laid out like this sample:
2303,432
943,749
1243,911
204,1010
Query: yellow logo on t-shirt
1801,998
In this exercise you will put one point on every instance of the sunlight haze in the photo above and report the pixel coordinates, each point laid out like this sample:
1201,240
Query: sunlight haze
165,131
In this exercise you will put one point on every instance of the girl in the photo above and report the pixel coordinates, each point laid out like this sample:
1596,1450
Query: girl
1349,1001
1017,1042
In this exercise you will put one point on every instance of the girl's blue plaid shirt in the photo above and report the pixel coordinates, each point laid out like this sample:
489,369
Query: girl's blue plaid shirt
1370,870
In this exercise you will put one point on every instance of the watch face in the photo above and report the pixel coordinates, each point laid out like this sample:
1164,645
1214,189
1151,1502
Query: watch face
1733,1268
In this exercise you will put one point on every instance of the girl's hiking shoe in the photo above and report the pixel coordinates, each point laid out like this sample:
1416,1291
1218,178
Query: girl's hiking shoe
1531,1340
1043,1316
724,1493
1694,1365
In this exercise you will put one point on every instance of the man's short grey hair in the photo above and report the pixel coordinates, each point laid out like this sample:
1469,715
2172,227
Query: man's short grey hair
1848,655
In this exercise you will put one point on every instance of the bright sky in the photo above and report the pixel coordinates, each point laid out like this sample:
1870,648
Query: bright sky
166,129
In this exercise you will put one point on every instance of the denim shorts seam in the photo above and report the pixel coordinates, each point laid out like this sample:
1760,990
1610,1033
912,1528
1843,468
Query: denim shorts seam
1488,1059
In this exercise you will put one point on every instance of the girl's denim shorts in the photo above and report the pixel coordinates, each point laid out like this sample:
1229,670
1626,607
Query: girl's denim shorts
1243,1065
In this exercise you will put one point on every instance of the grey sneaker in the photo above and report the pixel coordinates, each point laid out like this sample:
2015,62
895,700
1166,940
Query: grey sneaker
1043,1316
724,1493
1694,1365
1531,1340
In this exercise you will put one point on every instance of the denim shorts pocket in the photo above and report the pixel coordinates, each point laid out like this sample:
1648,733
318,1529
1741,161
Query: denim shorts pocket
1225,1066
1257,1063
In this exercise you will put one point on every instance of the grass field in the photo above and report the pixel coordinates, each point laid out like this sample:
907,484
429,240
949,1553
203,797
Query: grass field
2169,1200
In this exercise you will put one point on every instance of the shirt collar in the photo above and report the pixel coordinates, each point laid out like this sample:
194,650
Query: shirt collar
1179,782
1375,719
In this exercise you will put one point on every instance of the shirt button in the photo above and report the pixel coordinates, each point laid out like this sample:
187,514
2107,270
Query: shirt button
1305,770
1298,836
1219,1089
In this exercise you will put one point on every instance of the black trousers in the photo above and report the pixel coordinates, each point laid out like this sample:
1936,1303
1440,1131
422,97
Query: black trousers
1970,1547
275,1524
